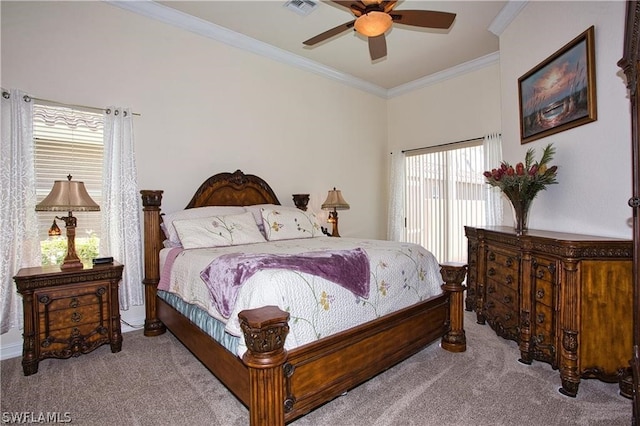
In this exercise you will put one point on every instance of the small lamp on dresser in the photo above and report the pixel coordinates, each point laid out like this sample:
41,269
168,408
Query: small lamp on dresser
333,203
68,196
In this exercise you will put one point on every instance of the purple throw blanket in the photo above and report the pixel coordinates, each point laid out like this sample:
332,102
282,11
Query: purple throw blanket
226,274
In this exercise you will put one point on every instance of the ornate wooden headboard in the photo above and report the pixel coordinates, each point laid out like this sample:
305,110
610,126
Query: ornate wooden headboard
233,189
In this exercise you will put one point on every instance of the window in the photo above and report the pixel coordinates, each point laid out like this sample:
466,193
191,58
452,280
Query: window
444,193
68,141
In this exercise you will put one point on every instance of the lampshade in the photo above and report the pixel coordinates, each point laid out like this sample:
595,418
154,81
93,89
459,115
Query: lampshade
335,201
67,196
373,24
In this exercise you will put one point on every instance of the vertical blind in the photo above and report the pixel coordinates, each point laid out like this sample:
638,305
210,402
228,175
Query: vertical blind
68,141
444,193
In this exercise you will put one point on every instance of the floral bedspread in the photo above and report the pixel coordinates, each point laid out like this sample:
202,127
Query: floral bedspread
402,274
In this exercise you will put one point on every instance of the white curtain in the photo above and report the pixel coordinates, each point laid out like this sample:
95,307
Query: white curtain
121,205
19,243
396,214
492,148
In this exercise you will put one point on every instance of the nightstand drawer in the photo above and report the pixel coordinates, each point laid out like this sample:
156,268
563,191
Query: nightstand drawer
54,320
84,335
72,297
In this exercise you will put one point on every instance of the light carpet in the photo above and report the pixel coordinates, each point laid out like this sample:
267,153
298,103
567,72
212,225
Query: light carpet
156,381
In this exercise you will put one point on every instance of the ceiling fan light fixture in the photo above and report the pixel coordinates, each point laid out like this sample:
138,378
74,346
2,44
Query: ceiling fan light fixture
373,24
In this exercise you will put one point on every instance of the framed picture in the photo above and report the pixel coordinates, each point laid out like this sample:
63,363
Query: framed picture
559,93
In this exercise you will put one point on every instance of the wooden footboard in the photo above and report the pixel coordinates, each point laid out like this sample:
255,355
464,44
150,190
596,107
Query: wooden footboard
278,385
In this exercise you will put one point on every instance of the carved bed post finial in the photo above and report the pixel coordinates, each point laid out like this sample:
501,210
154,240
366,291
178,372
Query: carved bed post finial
265,330
453,275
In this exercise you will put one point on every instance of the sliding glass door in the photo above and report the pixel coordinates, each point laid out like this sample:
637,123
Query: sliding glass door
445,192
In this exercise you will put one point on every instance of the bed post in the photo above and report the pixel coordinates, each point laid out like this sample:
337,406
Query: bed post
265,330
453,275
151,201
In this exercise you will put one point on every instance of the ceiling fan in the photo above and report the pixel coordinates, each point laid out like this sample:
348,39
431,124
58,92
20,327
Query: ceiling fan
375,17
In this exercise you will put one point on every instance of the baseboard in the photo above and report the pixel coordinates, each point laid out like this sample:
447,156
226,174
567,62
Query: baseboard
14,349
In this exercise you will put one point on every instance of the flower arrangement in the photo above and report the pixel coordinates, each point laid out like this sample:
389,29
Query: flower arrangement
522,182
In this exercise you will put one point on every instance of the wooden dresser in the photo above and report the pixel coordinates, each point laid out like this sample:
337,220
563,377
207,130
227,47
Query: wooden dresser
567,299
68,313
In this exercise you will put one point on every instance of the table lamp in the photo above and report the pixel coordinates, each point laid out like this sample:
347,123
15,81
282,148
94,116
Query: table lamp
68,196
336,202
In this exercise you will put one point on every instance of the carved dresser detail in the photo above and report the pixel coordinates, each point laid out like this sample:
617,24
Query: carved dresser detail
566,299
68,313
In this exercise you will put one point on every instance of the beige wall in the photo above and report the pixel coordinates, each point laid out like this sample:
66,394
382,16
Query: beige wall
460,108
205,108
594,159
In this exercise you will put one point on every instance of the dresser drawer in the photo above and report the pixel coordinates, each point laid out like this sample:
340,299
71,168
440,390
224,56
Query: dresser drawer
543,292
503,294
502,318
544,269
503,268
502,260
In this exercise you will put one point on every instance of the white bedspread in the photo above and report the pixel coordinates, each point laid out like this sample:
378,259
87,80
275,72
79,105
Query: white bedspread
402,274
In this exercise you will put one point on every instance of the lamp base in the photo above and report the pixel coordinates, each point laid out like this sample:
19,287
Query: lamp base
71,264
71,260
333,218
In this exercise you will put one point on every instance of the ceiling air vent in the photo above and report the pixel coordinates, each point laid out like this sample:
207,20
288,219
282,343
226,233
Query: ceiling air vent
301,7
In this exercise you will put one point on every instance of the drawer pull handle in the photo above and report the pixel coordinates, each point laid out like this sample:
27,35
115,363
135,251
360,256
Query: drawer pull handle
509,262
492,256
74,302
507,317
509,279
540,273
491,272
506,299
491,289
540,293
540,319
76,317
539,338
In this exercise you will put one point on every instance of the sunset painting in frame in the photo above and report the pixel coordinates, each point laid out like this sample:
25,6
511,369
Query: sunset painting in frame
559,93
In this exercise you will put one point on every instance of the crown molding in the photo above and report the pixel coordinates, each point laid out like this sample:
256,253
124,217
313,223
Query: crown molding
452,72
506,15
159,12
174,17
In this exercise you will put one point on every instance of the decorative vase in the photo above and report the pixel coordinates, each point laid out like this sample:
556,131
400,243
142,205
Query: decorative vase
520,208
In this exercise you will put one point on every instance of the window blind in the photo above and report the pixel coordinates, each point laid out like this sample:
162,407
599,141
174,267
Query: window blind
445,193
68,141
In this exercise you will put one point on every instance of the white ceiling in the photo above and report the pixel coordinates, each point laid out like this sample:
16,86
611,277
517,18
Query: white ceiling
269,28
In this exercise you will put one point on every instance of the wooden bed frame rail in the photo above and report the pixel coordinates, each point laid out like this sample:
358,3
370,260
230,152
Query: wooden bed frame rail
278,385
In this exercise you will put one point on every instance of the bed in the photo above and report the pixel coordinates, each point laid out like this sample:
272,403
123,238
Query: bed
279,384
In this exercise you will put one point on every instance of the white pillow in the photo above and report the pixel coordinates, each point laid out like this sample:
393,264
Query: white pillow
287,223
198,212
218,231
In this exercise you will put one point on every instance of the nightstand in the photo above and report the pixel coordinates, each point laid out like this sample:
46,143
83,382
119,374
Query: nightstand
68,313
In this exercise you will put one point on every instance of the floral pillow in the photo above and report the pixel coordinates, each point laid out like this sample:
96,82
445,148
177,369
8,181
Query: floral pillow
286,224
195,213
218,231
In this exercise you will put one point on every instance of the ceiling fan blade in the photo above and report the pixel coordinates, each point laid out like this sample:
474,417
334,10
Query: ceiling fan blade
388,5
423,18
328,34
356,7
377,47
